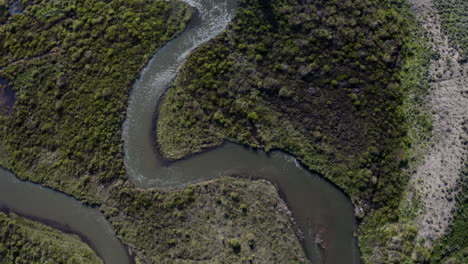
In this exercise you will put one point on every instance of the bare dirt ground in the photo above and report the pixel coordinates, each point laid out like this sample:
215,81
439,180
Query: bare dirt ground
437,178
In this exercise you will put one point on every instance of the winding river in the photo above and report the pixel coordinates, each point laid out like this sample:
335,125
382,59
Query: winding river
317,205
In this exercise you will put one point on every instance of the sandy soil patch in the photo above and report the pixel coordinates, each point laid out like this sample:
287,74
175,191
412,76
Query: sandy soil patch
437,178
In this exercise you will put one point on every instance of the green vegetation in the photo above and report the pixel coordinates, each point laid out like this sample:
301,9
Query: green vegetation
329,92
454,21
3,11
206,223
453,247
336,83
29,242
396,241
341,85
72,64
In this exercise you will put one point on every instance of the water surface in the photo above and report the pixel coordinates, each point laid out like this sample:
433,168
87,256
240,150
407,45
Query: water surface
50,206
318,206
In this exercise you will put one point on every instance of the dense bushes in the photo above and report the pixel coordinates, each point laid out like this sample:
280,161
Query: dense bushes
455,23
3,11
336,83
226,220
71,64
28,242
321,80
396,240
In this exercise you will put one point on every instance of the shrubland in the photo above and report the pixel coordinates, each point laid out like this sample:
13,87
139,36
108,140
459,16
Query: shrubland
454,22
225,220
342,85
453,247
71,65
321,80
29,242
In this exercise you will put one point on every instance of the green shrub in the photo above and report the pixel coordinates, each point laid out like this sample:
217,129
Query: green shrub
235,245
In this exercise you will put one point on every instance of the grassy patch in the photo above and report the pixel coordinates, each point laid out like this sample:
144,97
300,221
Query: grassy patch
454,23
25,241
226,220
453,247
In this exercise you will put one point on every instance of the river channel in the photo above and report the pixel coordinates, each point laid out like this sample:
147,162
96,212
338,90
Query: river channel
64,212
317,206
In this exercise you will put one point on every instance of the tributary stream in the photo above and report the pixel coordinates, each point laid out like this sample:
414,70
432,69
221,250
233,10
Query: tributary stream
317,206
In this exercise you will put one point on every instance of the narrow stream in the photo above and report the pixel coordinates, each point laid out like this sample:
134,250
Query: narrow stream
318,207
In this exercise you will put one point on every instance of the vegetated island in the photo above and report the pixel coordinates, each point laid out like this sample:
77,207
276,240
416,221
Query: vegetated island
28,242
71,66
346,86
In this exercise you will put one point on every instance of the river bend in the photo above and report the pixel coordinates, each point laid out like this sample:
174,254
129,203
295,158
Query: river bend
318,206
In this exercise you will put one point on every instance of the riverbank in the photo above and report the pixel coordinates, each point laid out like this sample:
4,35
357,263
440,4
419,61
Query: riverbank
270,93
144,165
306,108
45,225
26,241
66,130
226,219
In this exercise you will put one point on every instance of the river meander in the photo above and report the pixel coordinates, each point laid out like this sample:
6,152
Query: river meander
317,206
